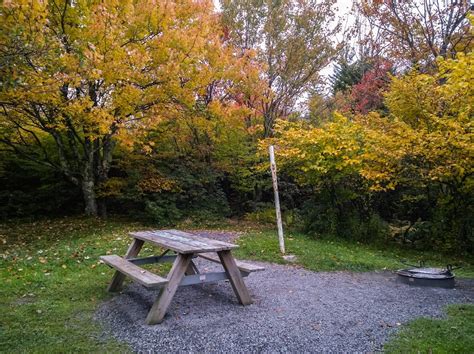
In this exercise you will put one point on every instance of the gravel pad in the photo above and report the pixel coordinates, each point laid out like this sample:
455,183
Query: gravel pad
295,310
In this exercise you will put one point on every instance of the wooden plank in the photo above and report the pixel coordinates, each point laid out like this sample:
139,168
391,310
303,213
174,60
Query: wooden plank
192,269
205,278
138,274
195,241
235,277
118,278
182,243
188,240
159,308
243,266
200,238
161,241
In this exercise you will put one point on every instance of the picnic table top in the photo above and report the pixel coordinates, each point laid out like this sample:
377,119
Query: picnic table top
182,242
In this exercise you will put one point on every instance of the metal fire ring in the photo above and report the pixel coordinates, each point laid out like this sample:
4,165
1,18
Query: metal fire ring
425,276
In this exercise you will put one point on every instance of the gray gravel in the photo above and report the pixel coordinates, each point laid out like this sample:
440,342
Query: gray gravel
295,310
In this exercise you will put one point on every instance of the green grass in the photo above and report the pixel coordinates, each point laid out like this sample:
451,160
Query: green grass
455,334
51,280
331,254
52,283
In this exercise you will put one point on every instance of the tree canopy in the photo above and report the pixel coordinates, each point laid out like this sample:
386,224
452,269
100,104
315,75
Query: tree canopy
77,75
163,110
293,41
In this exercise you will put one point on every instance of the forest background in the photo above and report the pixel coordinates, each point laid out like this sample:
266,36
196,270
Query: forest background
163,111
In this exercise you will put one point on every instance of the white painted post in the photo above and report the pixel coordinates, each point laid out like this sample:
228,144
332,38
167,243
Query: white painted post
277,198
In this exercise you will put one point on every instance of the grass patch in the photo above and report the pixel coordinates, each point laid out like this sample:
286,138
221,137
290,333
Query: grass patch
331,254
455,334
53,284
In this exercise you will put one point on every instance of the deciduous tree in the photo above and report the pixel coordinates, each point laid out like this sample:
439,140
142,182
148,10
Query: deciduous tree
293,41
416,32
76,75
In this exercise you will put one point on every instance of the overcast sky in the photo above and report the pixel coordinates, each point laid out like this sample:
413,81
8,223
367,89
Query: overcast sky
344,5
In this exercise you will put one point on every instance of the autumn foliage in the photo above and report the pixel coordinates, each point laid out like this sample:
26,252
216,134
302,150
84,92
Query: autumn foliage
367,95
423,147
163,110
78,77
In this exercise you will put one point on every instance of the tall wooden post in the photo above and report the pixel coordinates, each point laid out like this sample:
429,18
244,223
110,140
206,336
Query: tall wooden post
277,199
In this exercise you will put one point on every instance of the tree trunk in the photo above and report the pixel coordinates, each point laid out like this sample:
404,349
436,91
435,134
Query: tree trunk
268,123
270,115
102,167
88,180
90,200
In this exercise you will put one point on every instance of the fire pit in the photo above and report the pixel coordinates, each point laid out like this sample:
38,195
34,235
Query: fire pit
425,276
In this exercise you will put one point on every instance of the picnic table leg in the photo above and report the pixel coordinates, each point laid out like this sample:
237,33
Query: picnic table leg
159,308
118,278
235,277
192,269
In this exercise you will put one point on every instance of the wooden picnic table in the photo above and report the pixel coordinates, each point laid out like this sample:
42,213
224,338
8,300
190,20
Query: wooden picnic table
184,246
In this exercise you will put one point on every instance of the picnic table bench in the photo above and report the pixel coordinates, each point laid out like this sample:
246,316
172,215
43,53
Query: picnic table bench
185,246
